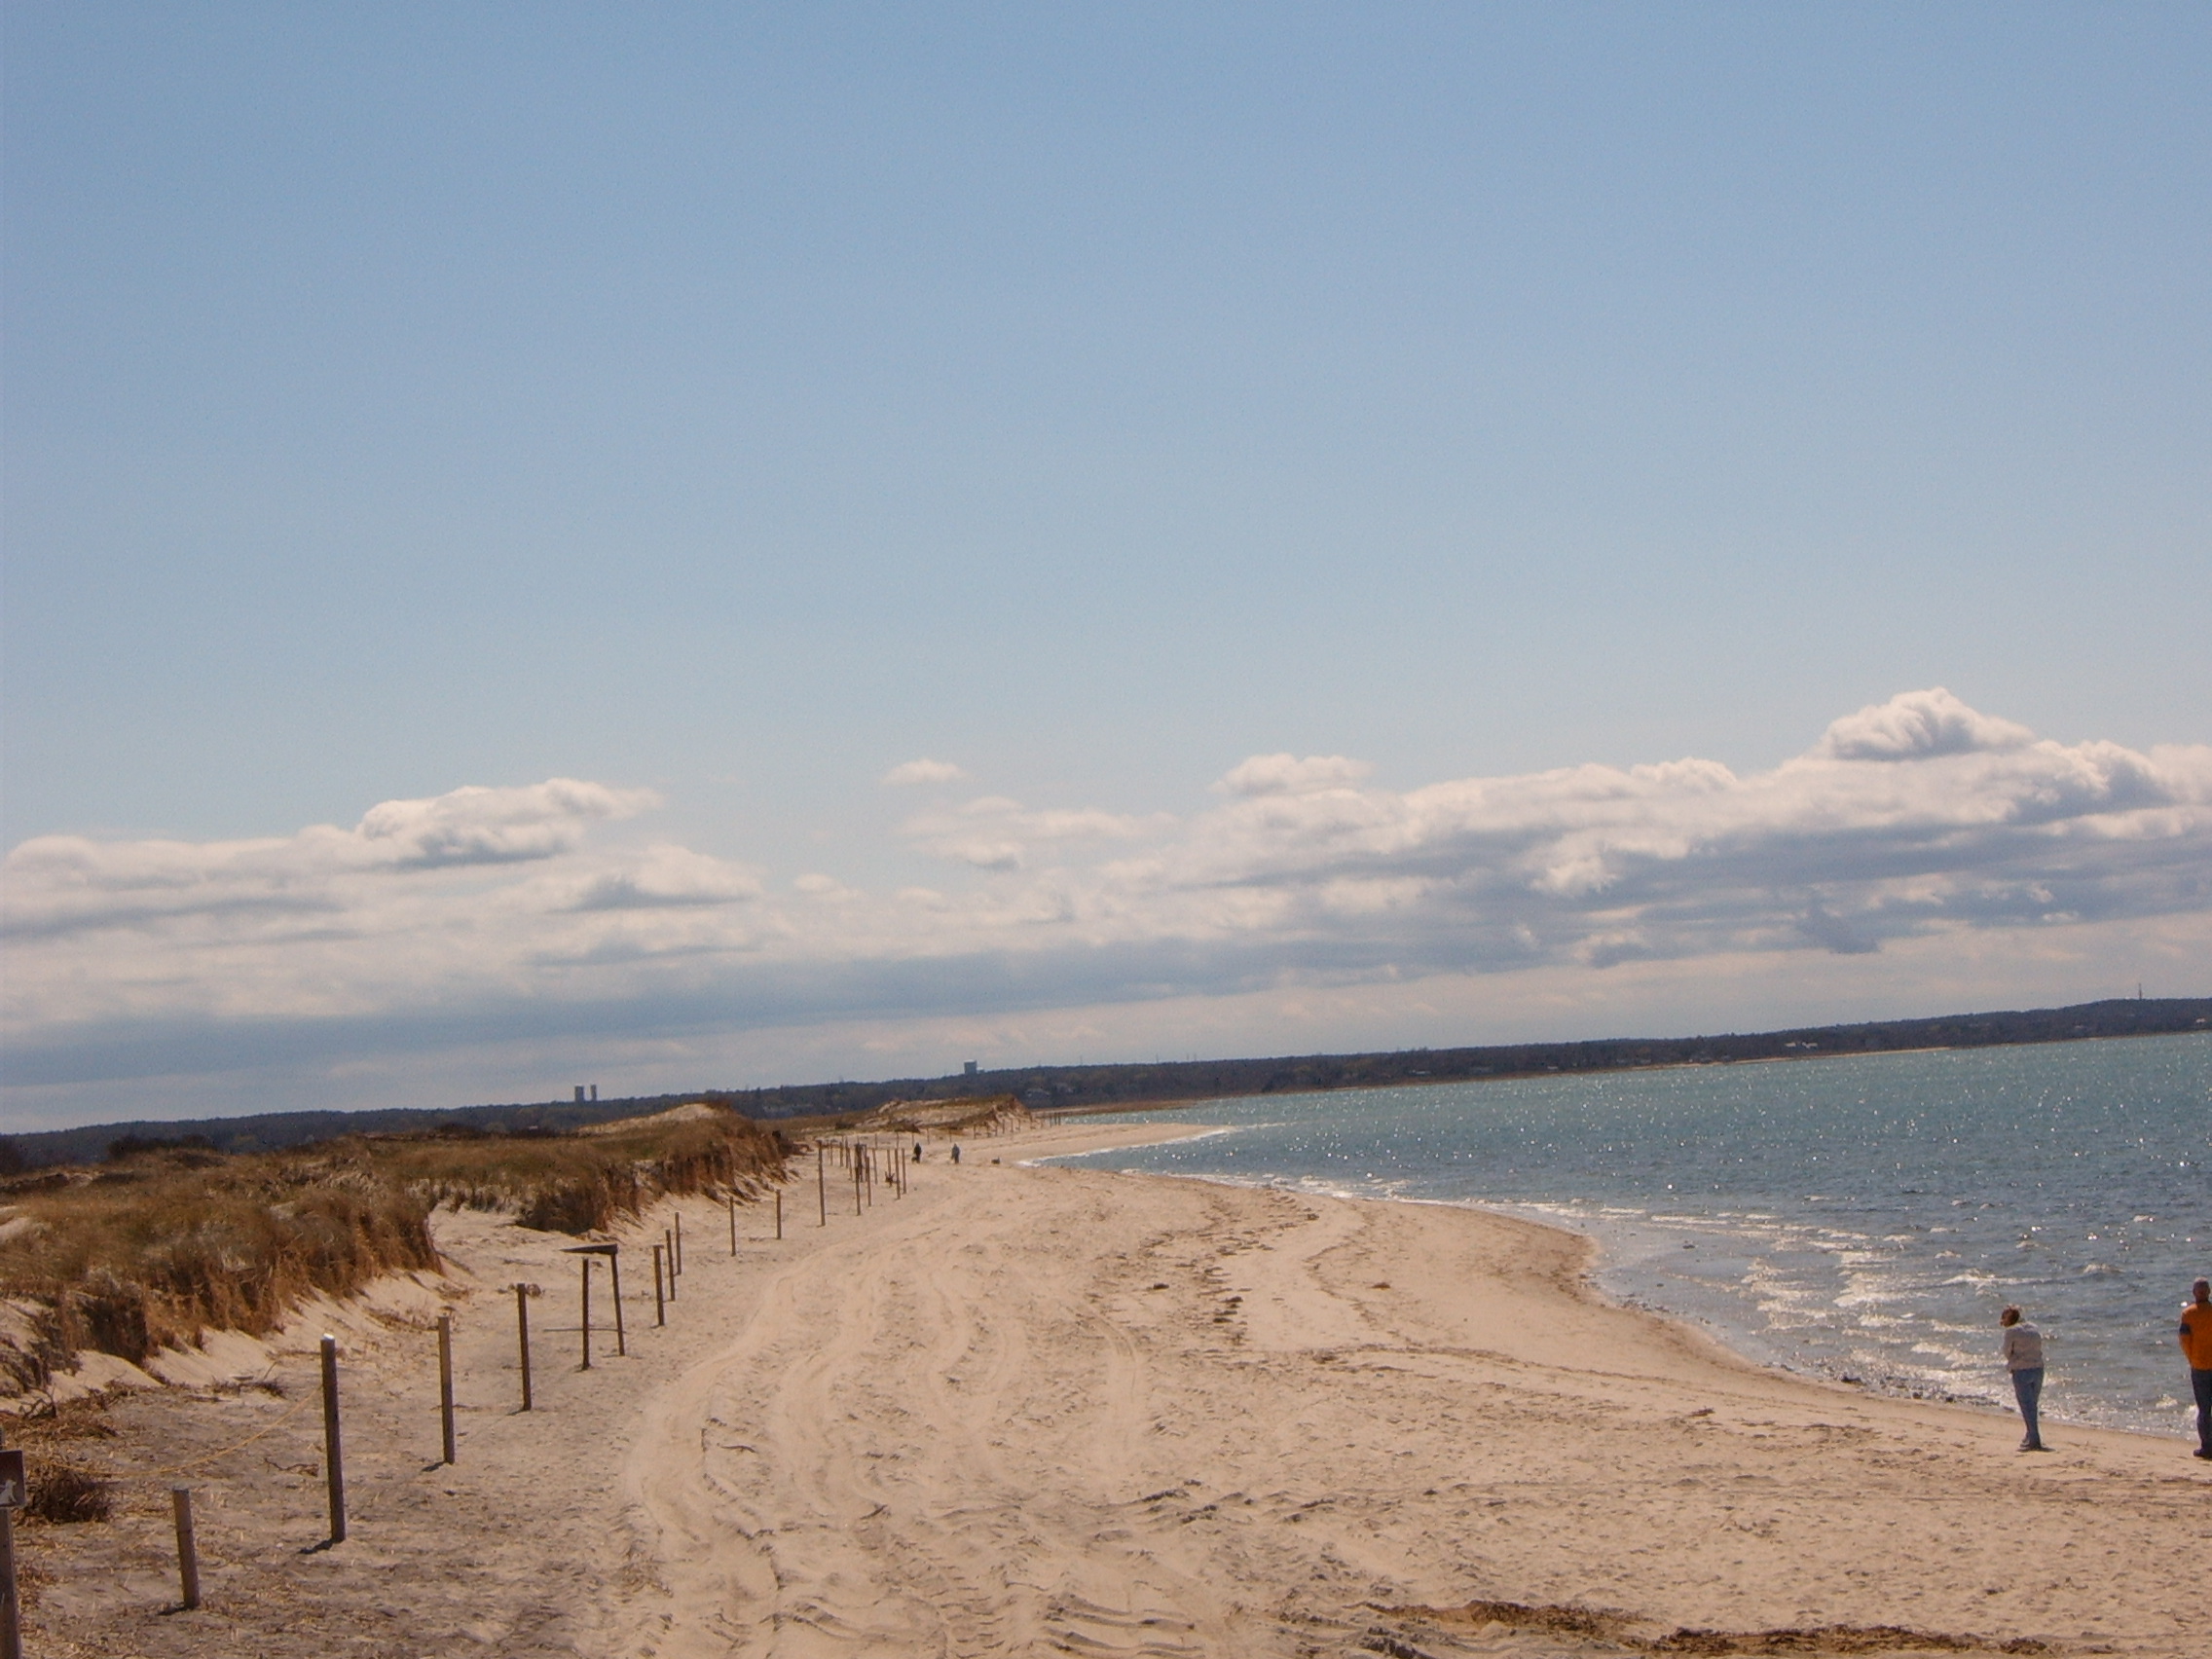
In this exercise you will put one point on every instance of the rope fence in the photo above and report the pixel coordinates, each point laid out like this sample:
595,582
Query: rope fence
870,1163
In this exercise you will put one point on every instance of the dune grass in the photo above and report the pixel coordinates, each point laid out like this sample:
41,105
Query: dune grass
971,1114
151,1250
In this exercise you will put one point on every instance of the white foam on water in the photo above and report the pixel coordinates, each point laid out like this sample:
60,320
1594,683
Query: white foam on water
1948,1184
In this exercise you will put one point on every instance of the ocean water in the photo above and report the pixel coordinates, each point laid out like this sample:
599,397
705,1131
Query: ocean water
1860,1218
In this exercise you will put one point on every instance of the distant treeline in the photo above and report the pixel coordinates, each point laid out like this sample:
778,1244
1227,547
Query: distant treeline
1106,1087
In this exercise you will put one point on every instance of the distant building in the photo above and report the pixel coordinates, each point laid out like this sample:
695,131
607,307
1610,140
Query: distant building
580,1094
595,1093
967,1068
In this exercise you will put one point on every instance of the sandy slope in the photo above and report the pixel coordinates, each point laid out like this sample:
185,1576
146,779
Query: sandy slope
1035,1410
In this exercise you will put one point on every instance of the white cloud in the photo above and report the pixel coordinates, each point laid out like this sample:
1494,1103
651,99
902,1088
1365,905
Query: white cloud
486,915
1291,774
1916,724
57,883
995,833
924,771
665,876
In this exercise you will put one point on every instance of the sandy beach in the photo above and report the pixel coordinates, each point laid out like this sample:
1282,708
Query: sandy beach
1036,1410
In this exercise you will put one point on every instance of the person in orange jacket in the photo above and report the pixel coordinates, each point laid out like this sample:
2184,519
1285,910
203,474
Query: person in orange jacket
2196,1344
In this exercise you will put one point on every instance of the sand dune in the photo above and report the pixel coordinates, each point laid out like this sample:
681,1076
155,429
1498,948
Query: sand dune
1036,1410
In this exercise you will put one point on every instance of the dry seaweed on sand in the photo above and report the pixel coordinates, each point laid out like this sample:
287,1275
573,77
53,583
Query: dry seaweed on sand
1631,1635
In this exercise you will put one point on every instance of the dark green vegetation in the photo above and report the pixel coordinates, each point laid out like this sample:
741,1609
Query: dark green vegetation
1110,1086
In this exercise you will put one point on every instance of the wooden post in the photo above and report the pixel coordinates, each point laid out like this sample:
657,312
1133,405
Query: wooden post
522,1335
614,1273
445,1381
334,1461
821,1186
668,1243
733,1196
660,1303
680,1244
585,1262
11,1609
187,1546
779,1212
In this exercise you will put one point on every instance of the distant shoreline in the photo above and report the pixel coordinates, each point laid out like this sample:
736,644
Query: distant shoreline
1165,1086
1058,1113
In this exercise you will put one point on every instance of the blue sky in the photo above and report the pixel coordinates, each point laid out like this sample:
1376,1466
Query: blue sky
722,407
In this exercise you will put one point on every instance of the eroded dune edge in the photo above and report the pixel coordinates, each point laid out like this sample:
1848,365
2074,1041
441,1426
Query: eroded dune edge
1040,1409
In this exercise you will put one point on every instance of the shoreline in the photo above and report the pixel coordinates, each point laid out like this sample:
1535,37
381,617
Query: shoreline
1709,1331
1620,1239
1033,1407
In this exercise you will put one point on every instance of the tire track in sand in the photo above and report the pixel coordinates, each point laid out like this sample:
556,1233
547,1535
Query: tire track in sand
885,1462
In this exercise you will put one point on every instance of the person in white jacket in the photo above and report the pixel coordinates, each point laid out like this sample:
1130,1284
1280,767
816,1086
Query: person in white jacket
2024,1358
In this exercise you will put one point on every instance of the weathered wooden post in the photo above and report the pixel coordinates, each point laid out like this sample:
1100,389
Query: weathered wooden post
614,1254
333,1457
779,1212
187,1545
667,1245
733,1196
585,1262
522,1337
678,1258
660,1303
820,1184
445,1381
14,1489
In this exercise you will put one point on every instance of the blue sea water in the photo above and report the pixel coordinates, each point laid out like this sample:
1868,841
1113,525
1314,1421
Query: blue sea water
1860,1217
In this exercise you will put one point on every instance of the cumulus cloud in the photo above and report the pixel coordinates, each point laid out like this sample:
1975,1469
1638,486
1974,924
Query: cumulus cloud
59,883
482,825
504,911
996,832
1291,774
924,771
666,876
1917,725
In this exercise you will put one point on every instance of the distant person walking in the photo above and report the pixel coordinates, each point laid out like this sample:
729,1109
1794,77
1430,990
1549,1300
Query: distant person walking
2024,1358
2196,1344
956,1152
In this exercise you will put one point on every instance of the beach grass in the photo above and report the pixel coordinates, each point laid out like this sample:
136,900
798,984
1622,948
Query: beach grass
163,1244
